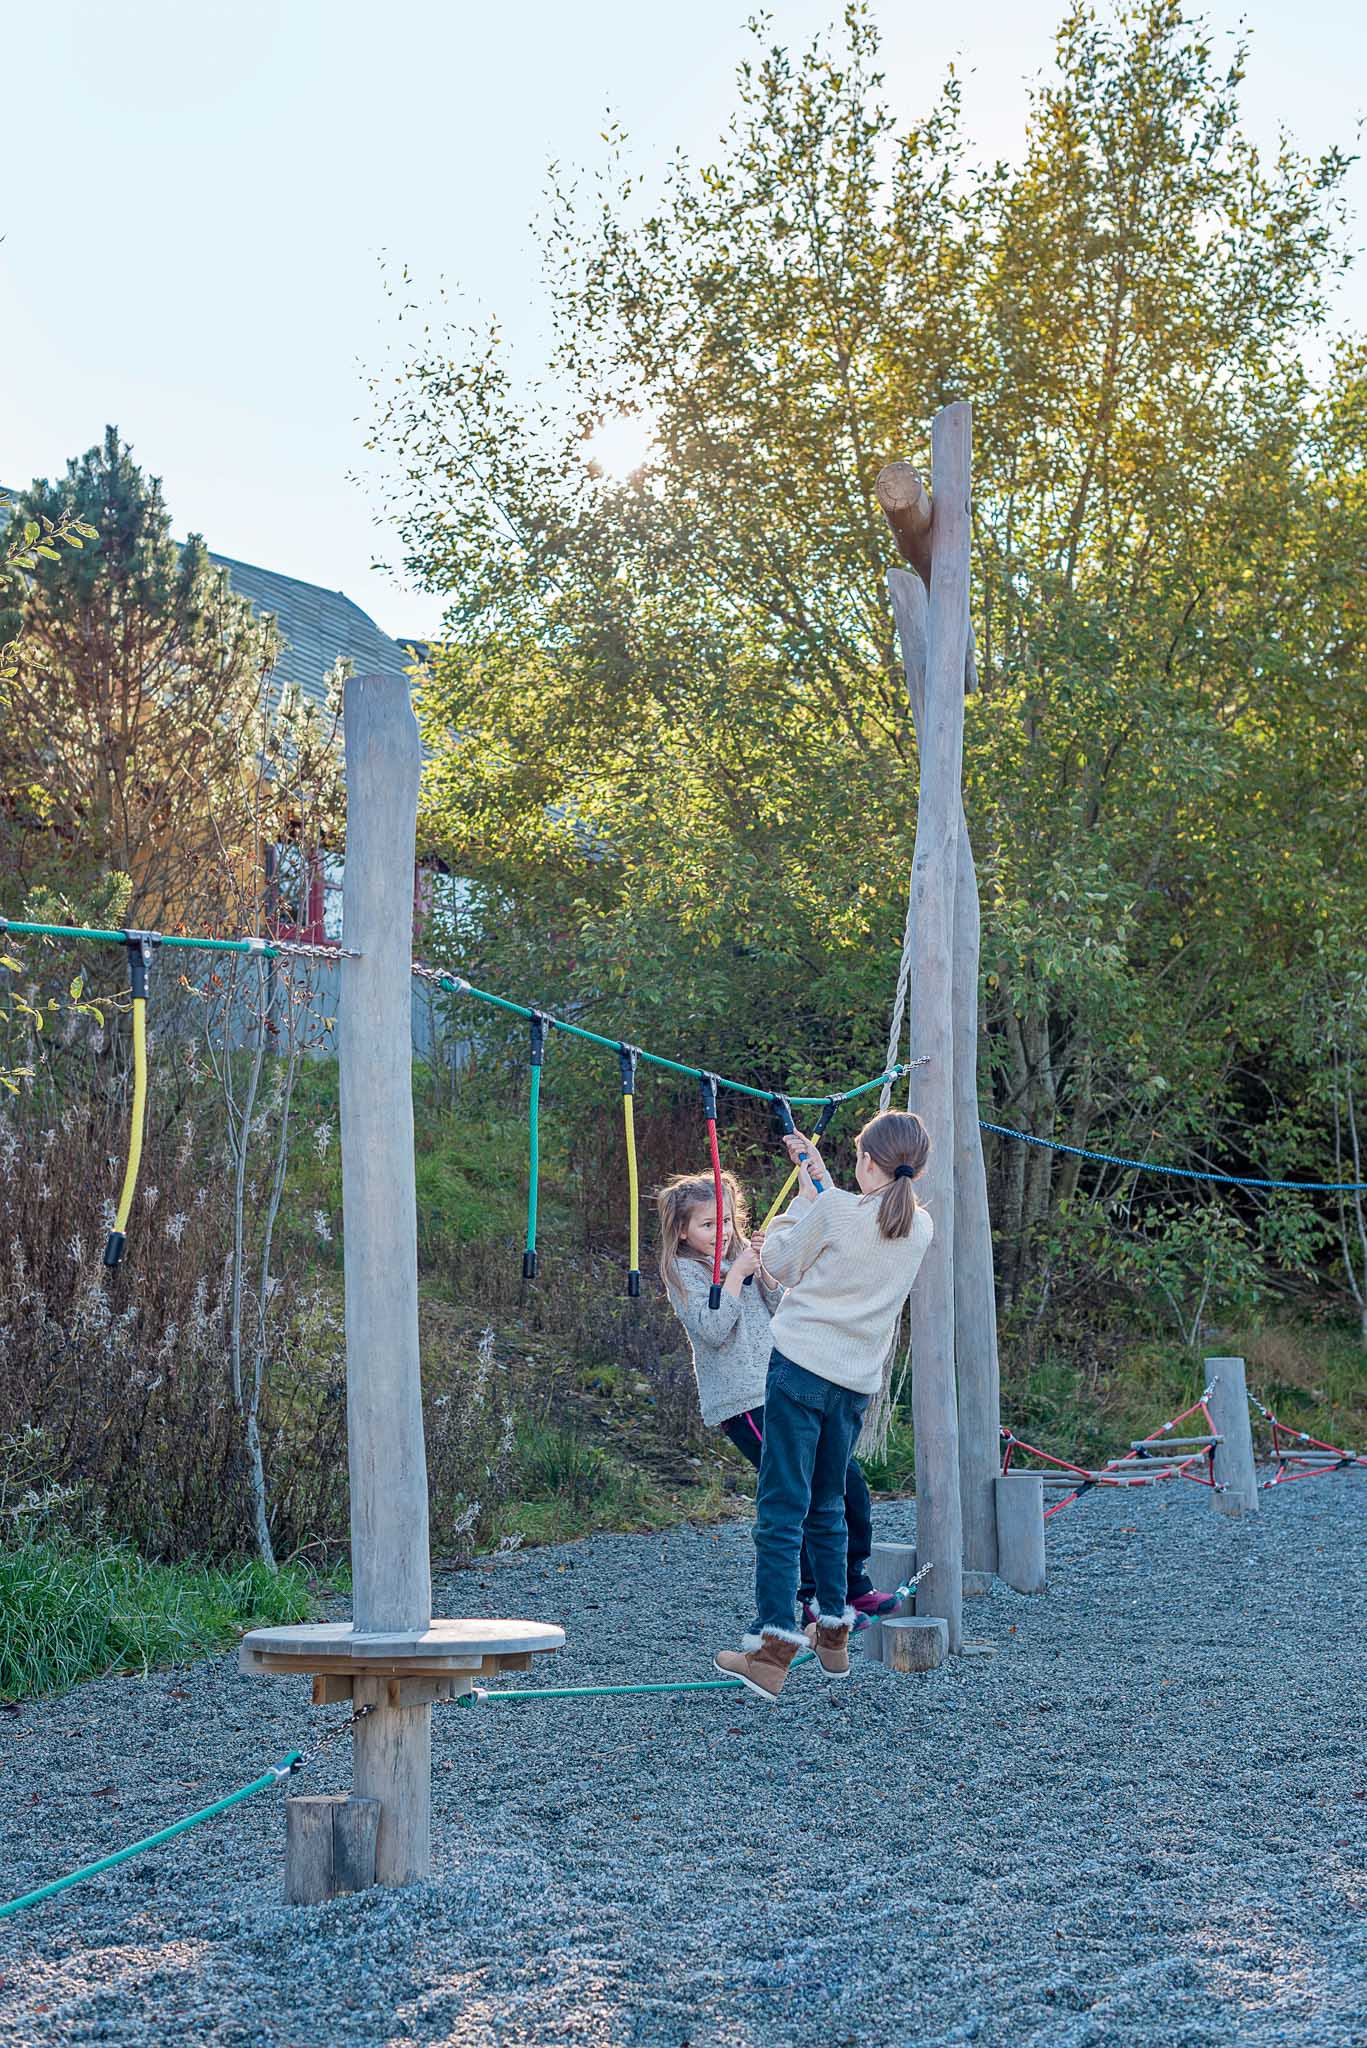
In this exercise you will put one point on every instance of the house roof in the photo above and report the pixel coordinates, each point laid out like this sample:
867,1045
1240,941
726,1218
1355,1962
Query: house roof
316,626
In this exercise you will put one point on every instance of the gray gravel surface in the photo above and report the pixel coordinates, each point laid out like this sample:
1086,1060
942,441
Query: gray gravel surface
1141,1822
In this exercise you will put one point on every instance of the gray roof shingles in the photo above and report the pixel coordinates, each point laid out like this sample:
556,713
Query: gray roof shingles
316,626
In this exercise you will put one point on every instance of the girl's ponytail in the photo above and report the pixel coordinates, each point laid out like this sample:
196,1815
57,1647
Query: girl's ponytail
900,1145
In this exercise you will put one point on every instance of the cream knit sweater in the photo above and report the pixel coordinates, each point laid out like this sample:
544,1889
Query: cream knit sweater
846,1285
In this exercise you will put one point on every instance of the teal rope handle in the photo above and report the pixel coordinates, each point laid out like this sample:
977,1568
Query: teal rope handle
534,1134
61,1884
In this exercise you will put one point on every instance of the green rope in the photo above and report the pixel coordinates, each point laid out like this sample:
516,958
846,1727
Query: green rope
61,1884
75,931
588,1692
456,985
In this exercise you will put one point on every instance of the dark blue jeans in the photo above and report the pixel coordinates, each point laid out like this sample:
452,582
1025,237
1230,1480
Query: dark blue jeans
810,1429
746,1432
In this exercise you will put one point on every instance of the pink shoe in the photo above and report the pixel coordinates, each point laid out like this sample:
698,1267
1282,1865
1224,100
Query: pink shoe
872,1605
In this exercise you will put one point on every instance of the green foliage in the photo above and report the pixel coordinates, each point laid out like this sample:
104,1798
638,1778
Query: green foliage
29,542
670,742
75,1611
562,1486
130,701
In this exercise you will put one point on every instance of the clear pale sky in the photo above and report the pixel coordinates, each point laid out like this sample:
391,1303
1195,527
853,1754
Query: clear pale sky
198,196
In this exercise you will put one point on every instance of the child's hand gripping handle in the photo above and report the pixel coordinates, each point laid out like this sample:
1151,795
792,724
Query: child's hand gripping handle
790,1130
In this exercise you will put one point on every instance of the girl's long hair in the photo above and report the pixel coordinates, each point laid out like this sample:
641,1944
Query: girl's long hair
675,1204
891,1140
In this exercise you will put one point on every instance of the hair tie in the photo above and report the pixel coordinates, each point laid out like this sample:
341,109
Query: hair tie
903,1173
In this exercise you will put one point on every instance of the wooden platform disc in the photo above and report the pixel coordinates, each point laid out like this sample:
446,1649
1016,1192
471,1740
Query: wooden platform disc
444,1646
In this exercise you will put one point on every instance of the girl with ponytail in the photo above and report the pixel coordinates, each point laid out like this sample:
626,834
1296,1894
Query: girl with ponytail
848,1262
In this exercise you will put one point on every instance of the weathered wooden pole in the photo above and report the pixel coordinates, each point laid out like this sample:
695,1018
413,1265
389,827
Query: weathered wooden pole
1235,1473
390,1561
908,507
1020,1530
975,1291
934,870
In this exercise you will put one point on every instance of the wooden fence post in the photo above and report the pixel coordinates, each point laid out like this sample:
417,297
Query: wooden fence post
939,1527
390,1559
1235,1473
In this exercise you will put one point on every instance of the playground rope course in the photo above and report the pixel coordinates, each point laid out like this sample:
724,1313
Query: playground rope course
142,945
1149,1461
1161,1456
1299,1455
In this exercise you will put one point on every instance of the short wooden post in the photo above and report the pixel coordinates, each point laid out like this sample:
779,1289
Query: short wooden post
1020,1530
1235,1473
915,1643
390,1560
890,1565
935,1414
329,1847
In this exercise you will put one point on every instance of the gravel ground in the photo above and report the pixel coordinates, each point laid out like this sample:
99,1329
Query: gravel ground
1141,1822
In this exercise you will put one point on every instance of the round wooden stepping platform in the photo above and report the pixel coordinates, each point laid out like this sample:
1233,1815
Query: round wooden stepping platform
334,1654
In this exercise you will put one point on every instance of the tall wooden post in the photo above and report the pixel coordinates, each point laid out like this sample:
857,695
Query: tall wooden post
909,511
939,1531
390,1559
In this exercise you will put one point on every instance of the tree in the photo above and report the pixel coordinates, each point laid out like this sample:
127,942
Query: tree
130,694
668,718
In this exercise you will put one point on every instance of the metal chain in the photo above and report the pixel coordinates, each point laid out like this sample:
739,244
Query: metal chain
326,1742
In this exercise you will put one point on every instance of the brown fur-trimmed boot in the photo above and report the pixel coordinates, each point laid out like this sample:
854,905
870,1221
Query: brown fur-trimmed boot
830,1638
762,1663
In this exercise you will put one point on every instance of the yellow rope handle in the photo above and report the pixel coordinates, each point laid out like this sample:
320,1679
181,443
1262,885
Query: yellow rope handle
634,1190
113,1250
628,1055
780,1199
141,946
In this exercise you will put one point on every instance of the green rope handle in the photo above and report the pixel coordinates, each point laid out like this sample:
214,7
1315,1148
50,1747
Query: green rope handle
538,1053
61,1884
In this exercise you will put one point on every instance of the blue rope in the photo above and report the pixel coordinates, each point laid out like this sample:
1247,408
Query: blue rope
1232,1180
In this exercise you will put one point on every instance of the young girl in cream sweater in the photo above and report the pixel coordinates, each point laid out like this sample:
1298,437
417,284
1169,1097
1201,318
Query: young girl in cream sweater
847,1262
732,1345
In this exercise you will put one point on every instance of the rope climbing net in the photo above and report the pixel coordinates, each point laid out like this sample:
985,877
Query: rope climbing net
1298,1455
1149,1461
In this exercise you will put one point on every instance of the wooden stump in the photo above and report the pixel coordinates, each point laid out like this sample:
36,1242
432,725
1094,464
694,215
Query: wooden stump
1235,1473
914,1642
890,1565
1020,1531
329,1847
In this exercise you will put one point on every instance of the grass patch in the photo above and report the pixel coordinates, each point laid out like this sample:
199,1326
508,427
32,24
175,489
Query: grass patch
75,1611
564,1486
